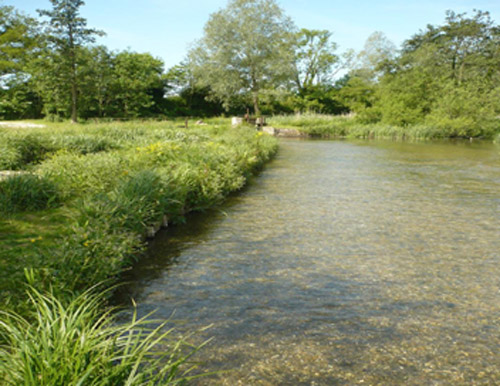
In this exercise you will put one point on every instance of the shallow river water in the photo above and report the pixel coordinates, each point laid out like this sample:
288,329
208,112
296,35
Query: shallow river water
343,263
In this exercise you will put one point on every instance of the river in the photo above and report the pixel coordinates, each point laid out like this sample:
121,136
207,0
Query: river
343,262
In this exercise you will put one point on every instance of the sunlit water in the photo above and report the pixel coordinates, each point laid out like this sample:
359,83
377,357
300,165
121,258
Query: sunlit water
343,263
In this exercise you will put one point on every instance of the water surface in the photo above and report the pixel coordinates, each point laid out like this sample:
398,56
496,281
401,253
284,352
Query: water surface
343,263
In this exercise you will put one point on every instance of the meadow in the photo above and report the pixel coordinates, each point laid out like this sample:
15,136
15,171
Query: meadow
74,214
77,212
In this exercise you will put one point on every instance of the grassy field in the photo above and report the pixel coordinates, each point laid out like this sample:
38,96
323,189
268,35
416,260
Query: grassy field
76,202
318,125
77,212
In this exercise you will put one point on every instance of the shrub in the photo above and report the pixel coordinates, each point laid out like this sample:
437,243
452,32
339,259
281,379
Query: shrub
94,252
27,192
84,143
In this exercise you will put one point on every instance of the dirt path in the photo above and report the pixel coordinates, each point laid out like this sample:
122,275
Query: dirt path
21,125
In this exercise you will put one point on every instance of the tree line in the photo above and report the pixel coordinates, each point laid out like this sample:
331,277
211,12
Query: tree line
252,57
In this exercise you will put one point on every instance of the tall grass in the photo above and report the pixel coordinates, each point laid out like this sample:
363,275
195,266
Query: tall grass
75,343
27,192
118,181
112,182
351,127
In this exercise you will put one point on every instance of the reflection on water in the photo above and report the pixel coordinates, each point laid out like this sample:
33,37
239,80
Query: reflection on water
343,263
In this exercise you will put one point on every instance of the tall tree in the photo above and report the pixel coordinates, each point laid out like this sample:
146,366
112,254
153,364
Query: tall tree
137,78
18,40
68,32
246,49
96,78
315,58
377,52
447,76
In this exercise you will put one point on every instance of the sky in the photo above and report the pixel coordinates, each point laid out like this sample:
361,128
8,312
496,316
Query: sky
167,28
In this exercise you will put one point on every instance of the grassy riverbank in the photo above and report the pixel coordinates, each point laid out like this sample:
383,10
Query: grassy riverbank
77,212
76,202
329,126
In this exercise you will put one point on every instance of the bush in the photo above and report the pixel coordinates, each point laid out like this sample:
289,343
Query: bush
27,192
136,202
74,343
94,252
112,197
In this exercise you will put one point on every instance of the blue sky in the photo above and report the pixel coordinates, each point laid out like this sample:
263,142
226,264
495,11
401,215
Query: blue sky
166,28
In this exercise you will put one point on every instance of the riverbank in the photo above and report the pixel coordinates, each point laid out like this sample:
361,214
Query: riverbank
330,126
84,196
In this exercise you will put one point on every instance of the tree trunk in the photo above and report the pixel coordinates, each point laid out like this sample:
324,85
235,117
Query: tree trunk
74,101
256,109
74,87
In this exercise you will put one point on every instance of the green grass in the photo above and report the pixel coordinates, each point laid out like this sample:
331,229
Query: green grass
27,192
318,125
74,342
76,216
114,180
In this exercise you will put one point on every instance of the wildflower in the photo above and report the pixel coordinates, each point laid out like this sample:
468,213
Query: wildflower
32,240
86,244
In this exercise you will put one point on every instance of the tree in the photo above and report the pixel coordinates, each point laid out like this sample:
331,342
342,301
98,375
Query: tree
18,41
185,97
96,77
137,78
315,59
67,33
246,49
377,53
446,76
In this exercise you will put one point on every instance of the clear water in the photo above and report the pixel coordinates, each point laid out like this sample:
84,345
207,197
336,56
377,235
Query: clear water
343,263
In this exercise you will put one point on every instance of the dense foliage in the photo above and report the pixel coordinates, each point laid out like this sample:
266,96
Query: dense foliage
101,188
252,56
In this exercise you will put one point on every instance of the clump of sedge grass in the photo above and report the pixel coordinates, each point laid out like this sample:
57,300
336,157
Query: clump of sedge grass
27,192
73,343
